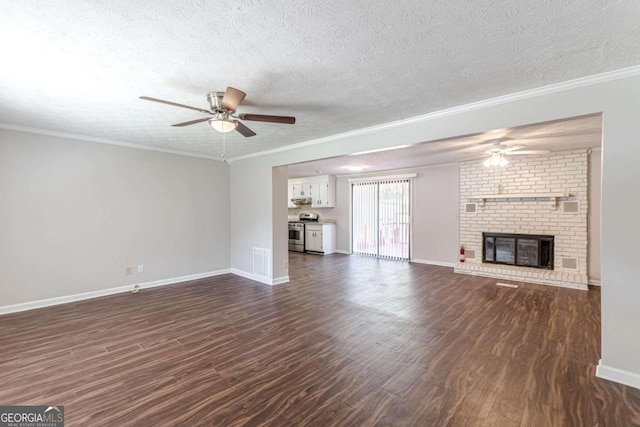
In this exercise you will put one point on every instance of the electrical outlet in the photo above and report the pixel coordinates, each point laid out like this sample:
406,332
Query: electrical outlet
285,264
140,268
128,271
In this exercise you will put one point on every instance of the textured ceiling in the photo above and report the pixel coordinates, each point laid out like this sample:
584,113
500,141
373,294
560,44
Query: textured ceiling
79,66
581,132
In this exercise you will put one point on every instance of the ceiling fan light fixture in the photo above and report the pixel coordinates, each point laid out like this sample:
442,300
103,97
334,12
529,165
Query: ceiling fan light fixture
221,107
495,160
223,125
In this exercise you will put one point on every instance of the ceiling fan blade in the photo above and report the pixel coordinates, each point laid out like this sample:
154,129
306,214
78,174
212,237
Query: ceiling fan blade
245,131
146,98
466,159
232,98
192,122
495,141
272,119
523,152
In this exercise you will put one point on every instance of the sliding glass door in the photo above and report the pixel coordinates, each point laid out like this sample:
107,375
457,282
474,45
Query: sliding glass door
364,209
380,218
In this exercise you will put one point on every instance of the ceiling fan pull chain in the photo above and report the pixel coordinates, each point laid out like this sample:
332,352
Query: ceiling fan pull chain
224,147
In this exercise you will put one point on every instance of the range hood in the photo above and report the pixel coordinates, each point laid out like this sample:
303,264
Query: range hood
301,201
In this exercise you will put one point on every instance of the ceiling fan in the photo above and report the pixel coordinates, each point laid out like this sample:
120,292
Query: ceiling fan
222,114
498,152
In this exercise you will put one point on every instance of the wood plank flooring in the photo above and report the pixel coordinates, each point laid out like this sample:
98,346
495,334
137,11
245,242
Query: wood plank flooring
349,341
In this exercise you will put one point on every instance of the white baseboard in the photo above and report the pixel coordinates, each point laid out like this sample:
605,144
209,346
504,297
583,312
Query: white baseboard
618,375
279,280
251,276
594,282
32,305
180,279
261,279
439,263
341,251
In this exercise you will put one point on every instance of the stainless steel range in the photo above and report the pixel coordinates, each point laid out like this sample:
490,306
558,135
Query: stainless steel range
296,231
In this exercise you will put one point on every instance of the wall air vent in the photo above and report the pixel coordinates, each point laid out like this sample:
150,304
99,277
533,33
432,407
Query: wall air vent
261,262
470,254
571,207
471,208
569,263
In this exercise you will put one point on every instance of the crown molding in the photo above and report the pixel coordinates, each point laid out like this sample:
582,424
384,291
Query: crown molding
499,100
526,94
85,138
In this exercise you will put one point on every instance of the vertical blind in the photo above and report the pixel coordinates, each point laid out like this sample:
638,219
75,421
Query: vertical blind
365,218
380,223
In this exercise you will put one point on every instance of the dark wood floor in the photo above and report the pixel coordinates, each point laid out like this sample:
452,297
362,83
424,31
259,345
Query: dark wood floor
349,341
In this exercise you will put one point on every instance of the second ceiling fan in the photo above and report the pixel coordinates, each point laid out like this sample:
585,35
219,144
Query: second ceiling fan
222,114
497,152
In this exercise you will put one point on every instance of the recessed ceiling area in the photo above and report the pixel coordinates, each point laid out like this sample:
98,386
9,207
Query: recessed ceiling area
79,67
569,134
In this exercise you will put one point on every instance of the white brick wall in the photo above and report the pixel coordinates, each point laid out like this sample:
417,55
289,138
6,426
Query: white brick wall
561,172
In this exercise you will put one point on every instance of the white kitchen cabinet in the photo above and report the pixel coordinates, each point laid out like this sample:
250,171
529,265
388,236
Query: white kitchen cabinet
305,190
295,190
320,238
300,190
290,196
321,196
320,189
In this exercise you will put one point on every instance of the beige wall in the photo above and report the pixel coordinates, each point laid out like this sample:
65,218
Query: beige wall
280,192
342,214
74,214
436,234
595,195
253,212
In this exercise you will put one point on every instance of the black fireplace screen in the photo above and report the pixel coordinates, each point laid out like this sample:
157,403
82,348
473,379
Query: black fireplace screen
526,250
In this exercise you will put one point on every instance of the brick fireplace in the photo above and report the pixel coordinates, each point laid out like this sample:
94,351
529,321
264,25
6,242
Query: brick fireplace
543,196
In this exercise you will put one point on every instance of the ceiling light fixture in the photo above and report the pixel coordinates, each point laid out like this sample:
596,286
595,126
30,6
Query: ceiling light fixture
223,125
495,160
354,168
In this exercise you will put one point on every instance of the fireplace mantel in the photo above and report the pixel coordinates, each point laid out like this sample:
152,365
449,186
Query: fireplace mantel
552,196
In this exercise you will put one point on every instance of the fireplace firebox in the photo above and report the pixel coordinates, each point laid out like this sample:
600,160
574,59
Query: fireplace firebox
525,250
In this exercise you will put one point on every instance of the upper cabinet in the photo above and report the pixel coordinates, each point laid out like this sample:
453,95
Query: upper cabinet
320,197
290,196
300,190
319,190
